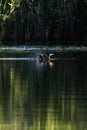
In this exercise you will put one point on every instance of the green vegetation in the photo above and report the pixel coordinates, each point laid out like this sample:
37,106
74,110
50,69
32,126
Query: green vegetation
43,20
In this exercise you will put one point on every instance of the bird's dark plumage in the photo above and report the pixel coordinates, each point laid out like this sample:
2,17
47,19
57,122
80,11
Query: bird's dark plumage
44,57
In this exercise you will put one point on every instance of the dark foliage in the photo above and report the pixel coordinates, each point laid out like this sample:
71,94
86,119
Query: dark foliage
45,20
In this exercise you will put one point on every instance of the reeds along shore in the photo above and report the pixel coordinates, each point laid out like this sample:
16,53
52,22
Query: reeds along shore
45,20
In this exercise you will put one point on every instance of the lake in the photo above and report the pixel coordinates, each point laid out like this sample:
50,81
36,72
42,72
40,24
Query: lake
38,95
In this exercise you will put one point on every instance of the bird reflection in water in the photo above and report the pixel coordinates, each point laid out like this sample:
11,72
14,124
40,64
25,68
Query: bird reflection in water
46,59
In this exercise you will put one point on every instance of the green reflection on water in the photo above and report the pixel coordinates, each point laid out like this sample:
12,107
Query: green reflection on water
37,97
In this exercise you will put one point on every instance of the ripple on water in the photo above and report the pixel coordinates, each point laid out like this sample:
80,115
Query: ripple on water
44,48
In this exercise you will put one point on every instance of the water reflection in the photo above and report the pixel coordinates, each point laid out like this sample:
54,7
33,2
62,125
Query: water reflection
36,97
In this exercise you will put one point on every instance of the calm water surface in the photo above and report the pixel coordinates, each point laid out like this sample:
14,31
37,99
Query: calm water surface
43,96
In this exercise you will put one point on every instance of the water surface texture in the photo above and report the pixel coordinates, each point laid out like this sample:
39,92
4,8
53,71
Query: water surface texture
43,96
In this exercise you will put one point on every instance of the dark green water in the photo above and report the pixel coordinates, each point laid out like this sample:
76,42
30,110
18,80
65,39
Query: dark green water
40,96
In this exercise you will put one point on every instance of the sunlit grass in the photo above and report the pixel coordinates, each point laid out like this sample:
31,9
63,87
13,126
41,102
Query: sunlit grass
4,16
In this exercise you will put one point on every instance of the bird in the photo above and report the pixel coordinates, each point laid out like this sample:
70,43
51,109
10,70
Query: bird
45,58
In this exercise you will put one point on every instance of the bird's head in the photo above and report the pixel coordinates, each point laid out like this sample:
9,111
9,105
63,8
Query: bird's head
51,54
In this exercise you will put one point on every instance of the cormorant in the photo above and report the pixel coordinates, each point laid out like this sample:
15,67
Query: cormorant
45,57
